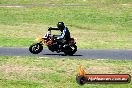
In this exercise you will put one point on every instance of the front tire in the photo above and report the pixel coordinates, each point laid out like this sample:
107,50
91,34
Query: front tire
36,48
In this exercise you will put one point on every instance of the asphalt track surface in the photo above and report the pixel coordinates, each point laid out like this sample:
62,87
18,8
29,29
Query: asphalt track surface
81,53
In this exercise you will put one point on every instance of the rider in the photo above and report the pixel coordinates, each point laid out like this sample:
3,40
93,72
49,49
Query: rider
65,34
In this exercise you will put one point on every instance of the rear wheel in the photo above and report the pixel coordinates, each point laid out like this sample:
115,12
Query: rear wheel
36,48
70,50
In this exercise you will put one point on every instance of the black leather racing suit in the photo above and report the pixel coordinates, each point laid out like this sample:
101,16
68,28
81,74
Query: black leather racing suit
65,34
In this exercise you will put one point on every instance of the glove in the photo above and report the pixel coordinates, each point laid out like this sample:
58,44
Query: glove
49,28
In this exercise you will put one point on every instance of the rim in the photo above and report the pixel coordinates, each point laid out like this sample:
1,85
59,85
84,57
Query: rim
73,48
35,48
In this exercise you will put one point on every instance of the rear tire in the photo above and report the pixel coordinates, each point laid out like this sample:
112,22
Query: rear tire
70,50
36,48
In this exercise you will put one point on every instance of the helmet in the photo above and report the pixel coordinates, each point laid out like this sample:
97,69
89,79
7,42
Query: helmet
60,25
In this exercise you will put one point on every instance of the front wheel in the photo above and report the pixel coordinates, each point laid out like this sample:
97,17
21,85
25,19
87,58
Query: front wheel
36,48
70,50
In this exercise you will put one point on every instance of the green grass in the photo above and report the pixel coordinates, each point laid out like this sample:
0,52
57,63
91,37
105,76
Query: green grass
62,1
43,72
105,26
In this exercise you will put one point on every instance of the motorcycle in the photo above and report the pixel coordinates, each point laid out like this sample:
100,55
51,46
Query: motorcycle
53,45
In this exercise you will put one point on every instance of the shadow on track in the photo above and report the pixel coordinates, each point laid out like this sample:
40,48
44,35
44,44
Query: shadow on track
60,55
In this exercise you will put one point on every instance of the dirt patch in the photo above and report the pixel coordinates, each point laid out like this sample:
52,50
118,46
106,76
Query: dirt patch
22,69
17,72
126,4
39,5
123,5
11,6
99,70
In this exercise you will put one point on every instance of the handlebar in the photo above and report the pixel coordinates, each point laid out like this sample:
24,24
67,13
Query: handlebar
50,28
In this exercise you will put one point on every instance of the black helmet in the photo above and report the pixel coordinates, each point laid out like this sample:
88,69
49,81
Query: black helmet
61,25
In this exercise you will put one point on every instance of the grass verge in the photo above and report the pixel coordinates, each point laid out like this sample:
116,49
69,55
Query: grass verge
106,25
43,72
62,2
